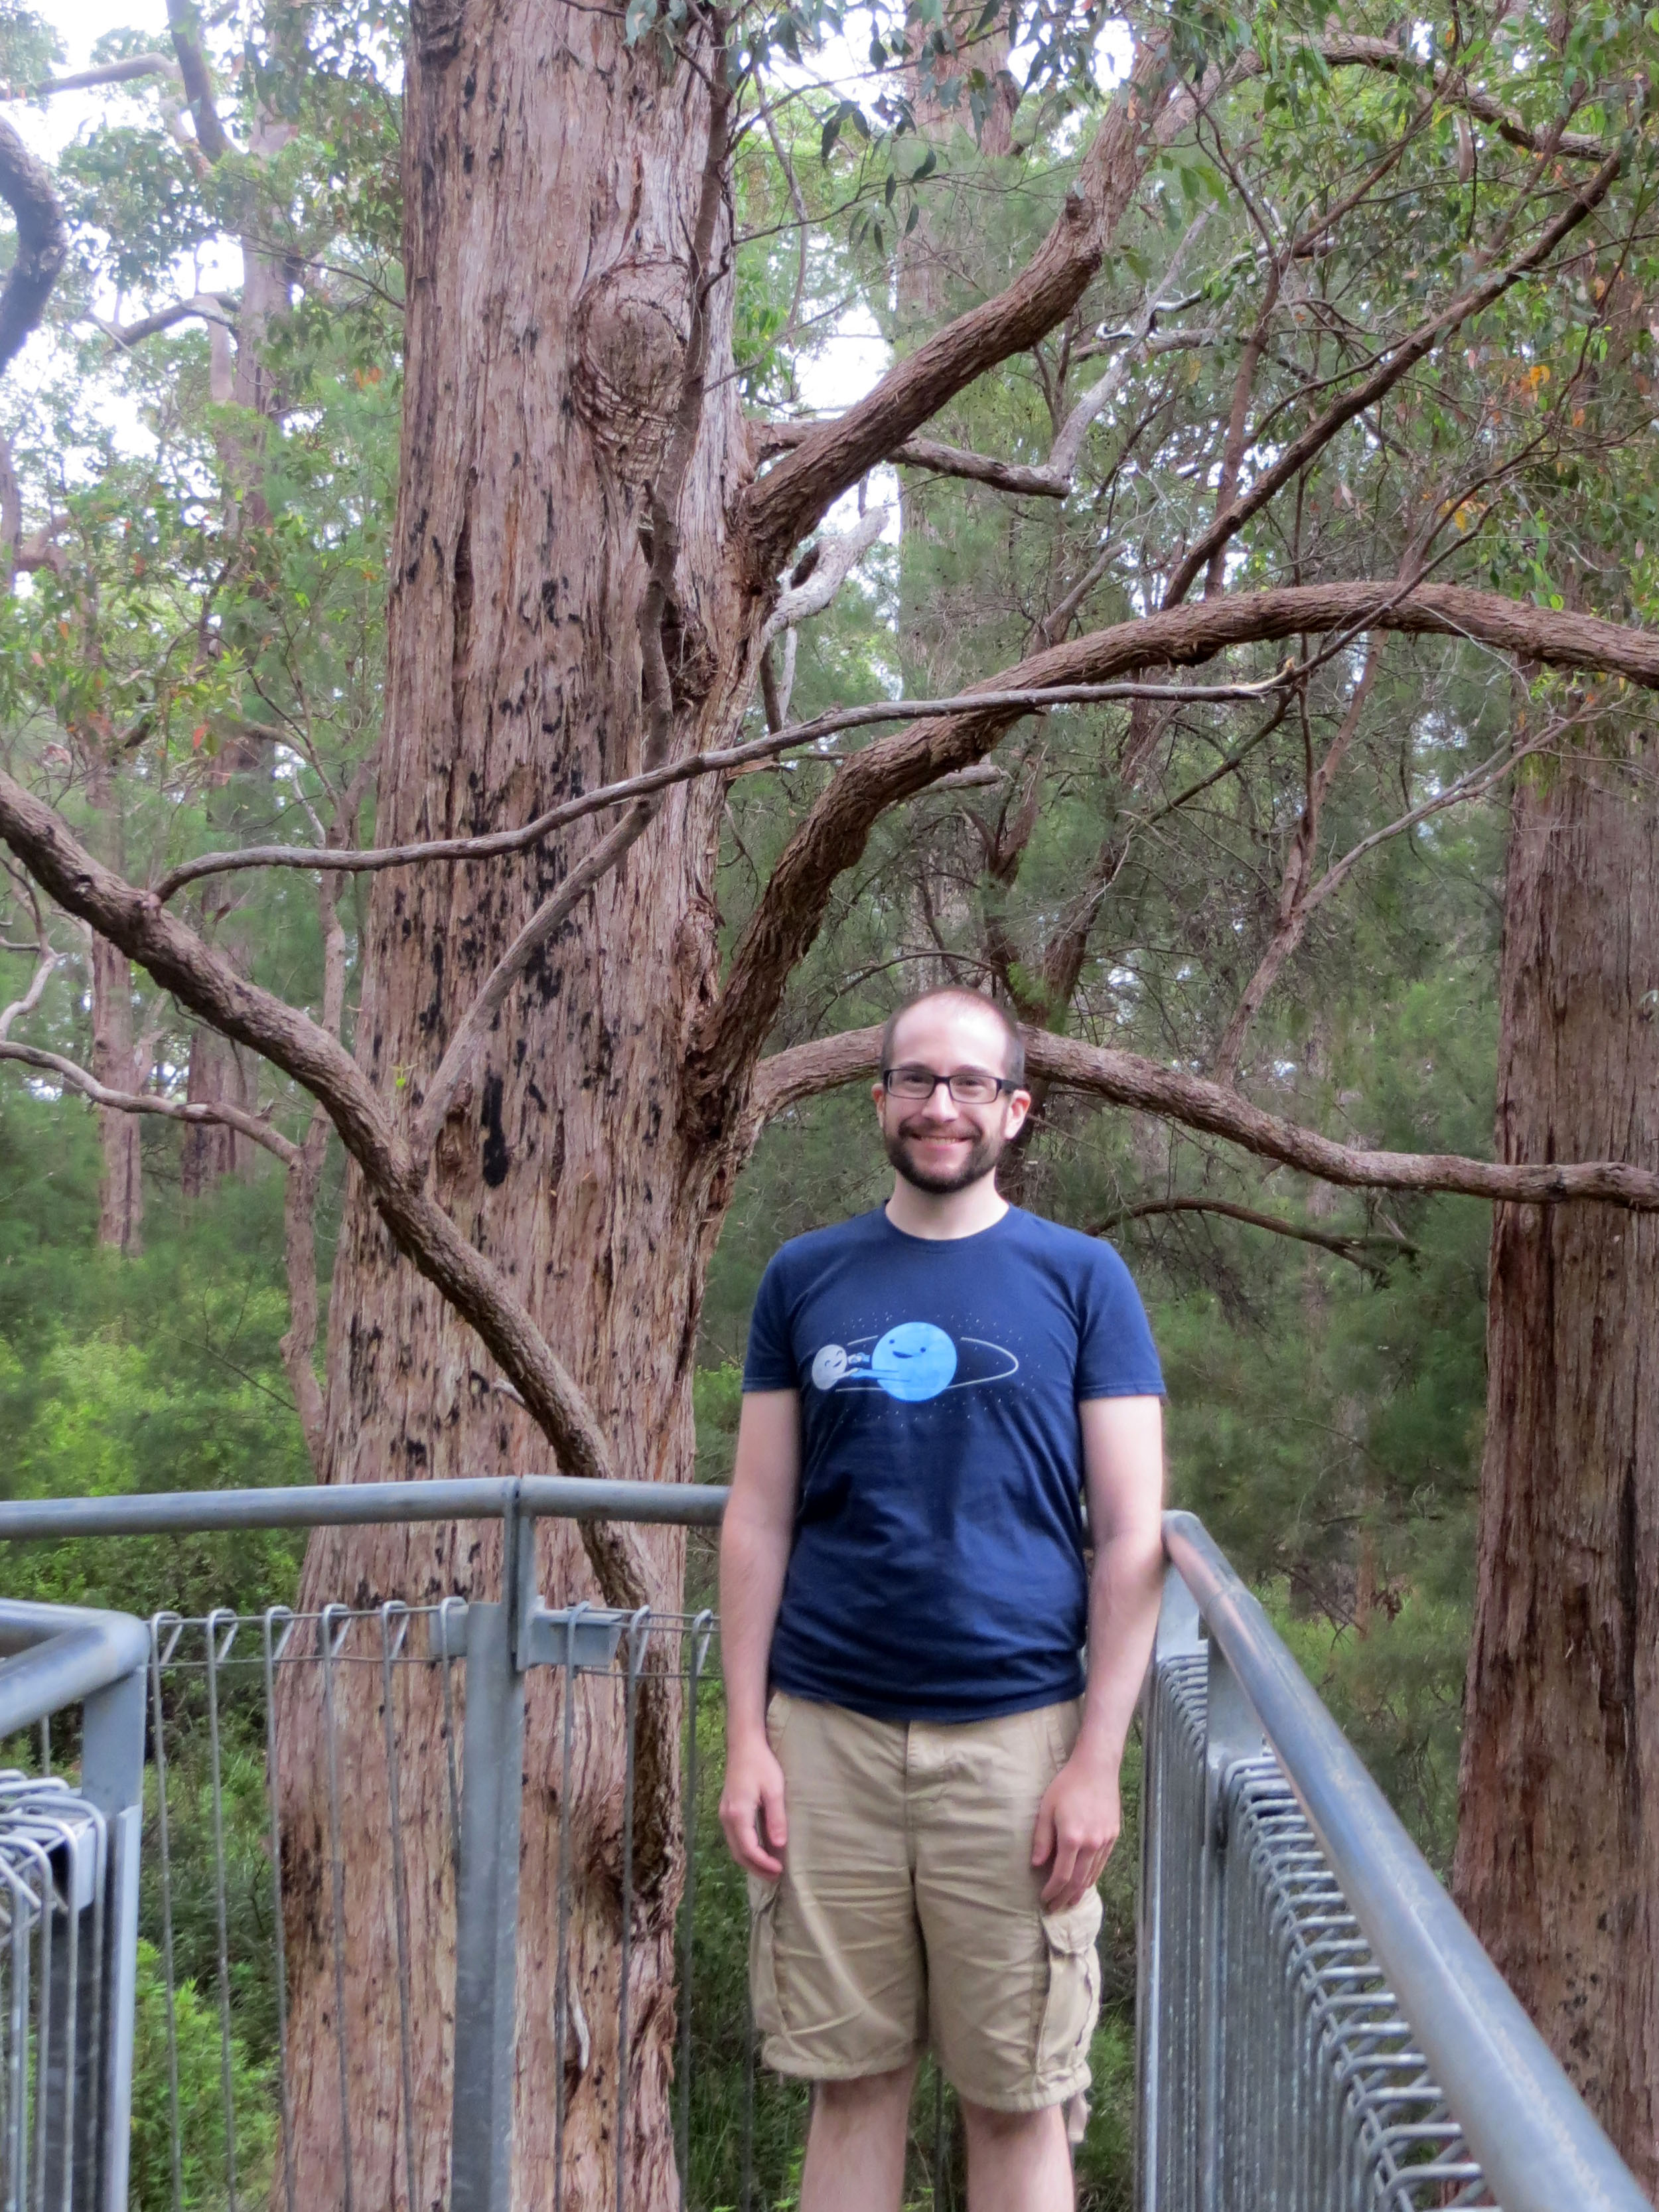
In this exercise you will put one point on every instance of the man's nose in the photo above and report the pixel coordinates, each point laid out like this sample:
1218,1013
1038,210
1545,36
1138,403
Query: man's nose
941,1106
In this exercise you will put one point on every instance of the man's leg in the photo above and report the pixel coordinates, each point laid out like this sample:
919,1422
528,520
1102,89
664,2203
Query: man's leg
855,2145
1017,2161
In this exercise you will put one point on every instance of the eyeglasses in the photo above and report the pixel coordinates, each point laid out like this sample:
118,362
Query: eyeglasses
969,1086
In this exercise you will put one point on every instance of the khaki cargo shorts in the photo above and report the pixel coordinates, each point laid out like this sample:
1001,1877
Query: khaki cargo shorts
908,1914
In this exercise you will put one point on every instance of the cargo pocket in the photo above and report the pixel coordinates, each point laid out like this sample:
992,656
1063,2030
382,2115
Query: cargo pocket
1072,2000
763,1956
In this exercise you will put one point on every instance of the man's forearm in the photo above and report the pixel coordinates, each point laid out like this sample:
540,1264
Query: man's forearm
753,1563
1124,1590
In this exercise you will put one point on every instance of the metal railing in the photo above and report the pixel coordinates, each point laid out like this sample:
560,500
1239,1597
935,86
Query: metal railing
69,1900
1316,2027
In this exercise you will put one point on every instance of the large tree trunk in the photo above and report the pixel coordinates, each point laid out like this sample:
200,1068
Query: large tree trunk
1558,1852
551,179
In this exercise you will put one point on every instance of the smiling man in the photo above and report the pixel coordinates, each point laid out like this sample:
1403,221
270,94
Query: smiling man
928,1692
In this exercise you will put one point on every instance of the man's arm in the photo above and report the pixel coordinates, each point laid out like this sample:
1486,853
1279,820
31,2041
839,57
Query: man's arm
1080,1815
754,1541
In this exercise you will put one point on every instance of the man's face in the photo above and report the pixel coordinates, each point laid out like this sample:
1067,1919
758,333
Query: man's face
941,1144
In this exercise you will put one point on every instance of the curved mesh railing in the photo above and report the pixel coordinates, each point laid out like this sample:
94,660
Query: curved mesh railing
1318,2026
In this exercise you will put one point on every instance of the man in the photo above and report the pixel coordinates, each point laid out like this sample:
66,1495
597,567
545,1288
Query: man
926,1800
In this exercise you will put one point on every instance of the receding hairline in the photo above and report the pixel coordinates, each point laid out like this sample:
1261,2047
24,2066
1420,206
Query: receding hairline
960,994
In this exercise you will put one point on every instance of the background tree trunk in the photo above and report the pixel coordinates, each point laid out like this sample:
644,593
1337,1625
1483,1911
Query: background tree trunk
121,1183
551,178
1557,1851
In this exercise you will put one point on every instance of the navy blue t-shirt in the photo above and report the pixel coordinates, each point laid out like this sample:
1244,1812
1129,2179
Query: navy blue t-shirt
937,1571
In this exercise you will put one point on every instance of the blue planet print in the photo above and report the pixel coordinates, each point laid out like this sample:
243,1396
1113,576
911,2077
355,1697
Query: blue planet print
913,1361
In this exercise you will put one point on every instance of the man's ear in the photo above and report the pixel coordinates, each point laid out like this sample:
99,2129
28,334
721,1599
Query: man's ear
1019,1105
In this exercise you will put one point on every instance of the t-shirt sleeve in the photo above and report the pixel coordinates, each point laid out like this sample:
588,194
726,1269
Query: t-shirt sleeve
1117,1356
769,1361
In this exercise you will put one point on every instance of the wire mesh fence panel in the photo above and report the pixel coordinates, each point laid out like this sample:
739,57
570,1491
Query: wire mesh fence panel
53,1862
276,1800
1277,2067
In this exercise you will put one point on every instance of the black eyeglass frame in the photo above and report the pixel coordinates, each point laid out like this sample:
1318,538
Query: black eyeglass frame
1004,1084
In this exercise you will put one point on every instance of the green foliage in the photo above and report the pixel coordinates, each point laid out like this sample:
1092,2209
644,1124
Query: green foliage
194,2047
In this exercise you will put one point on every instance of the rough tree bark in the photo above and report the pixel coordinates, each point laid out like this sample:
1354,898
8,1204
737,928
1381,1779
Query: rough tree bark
552,177
1557,1850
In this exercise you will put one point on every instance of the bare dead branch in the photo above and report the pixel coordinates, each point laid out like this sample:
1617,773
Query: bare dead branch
1125,1079
210,307
790,911
728,760
838,556
121,72
42,242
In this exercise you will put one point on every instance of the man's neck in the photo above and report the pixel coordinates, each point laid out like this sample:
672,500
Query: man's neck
941,1215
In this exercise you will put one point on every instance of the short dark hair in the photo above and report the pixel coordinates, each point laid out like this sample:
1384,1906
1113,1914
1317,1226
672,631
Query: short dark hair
1015,1070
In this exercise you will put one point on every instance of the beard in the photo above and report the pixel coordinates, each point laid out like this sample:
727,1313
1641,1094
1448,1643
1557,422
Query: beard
979,1157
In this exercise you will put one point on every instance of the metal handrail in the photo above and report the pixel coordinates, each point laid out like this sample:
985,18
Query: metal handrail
1538,2143
351,1505
59,1655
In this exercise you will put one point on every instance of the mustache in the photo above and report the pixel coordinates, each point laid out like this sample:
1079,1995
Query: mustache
919,1129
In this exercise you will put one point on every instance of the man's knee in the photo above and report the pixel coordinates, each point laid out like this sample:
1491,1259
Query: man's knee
865,2096
984,2126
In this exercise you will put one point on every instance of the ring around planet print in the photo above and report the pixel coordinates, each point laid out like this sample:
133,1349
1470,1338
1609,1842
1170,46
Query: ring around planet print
913,1362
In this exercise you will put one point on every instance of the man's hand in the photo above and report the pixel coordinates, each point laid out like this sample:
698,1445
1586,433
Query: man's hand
1077,1825
752,1807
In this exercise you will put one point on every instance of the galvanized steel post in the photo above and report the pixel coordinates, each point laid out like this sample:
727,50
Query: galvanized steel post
487,1886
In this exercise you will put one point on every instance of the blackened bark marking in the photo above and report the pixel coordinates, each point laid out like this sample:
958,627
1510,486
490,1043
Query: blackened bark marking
495,1155
462,619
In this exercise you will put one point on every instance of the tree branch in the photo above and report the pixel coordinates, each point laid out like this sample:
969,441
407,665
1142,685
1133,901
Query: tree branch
480,1016
122,72
778,510
659,596
790,909
837,558
728,760
200,980
142,1102
1344,51
211,307
1395,363
42,242
1125,1079
1359,1251
210,135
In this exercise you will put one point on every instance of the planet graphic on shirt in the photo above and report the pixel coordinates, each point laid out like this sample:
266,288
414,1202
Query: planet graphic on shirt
829,1365
913,1362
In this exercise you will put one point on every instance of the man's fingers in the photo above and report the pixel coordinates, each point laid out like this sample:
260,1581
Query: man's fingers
775,1820
1043,1843
1063,1887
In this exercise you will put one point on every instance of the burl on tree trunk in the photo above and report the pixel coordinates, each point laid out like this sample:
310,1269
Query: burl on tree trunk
551,179
1557,1851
